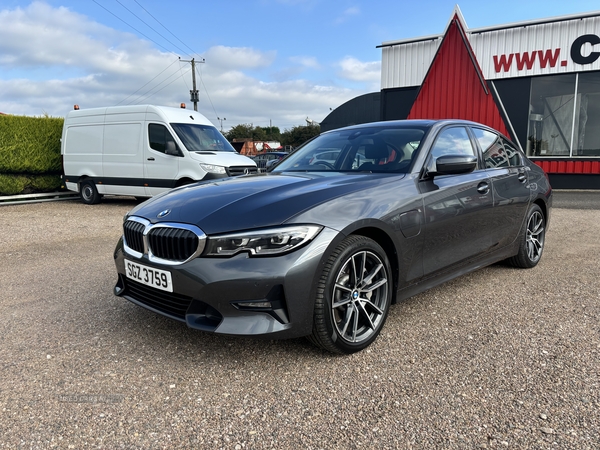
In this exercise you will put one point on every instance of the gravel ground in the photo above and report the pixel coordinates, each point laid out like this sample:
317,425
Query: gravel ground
500,358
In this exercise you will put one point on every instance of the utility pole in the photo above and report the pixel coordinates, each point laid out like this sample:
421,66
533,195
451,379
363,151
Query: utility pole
221,120
194,92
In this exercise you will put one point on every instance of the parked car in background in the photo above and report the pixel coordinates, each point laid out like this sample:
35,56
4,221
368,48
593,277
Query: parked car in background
323,249
266,160
329,156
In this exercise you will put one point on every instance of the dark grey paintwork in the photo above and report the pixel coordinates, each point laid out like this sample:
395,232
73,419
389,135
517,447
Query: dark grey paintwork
433,228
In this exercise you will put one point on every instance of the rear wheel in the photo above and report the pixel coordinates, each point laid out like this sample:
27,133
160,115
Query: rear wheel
353,296
532,239
88,192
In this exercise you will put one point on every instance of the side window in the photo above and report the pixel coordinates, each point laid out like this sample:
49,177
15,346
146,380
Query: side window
452,141
494,153
514,156
160,139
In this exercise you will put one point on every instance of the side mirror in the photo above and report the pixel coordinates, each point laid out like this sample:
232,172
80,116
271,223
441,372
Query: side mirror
171,148
454,164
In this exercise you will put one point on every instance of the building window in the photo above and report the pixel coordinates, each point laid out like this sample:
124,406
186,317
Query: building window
551,108
587,133
564,115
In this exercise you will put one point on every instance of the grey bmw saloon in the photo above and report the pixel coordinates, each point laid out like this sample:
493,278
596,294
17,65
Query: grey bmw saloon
323,247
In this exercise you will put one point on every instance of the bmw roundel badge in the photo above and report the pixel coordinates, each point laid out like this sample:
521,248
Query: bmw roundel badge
163,213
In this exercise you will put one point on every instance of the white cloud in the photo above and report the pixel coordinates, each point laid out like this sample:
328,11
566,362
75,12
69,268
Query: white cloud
227,58
355,70
53,58
348,14
306,61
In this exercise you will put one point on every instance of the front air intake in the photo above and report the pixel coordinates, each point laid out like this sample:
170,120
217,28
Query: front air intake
133,232
165,243
235,171
173,244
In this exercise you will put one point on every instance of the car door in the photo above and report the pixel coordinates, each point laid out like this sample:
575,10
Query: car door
458,208
161,159
510,187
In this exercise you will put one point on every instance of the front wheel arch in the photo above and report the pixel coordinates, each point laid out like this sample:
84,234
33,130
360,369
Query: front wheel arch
184,182
353,297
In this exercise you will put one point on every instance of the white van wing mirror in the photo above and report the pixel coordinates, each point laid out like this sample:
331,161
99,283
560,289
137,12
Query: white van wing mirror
171,148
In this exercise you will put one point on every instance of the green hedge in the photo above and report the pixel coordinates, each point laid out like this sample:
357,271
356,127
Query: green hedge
30,158
28,184
30,145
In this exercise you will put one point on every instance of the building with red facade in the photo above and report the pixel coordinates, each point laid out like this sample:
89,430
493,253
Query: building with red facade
537,81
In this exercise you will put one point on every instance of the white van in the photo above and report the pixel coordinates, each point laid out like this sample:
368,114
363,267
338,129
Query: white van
143,150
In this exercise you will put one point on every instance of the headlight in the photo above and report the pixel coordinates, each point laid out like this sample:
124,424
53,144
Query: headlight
272,241
213,169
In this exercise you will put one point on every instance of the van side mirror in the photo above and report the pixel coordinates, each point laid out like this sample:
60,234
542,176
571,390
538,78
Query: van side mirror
171,148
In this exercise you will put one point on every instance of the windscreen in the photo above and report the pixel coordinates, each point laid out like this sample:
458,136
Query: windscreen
201,138
362,149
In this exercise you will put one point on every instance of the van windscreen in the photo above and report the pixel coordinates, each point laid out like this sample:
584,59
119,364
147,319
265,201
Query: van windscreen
199,138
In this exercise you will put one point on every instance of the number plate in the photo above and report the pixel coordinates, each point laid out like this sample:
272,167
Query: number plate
159,279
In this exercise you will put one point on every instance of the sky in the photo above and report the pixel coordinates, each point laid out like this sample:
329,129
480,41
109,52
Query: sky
261,62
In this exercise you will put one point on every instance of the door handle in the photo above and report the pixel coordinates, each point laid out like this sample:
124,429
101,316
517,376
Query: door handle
522,177
483,188
150,159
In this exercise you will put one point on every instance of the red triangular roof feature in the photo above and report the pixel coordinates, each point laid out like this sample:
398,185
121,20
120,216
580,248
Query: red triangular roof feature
454,87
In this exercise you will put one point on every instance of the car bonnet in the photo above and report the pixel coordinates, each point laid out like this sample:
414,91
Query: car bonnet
252,201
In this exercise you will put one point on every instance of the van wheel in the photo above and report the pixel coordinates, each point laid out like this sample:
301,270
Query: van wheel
89,193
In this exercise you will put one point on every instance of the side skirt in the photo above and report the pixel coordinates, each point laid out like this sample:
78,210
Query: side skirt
463,269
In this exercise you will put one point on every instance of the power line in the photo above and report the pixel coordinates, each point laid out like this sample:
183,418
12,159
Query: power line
149,26
164,87
150,93
206,90
144,95
139,89
157,21
135,29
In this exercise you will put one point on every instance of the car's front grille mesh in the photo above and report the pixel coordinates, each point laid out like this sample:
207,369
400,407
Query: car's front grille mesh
173,244
170,303
134,235
163,243
234,171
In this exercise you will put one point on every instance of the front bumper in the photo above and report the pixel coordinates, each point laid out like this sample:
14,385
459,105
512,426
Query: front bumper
268,296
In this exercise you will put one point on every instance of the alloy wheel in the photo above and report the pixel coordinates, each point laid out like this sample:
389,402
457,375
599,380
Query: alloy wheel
360,296
535,236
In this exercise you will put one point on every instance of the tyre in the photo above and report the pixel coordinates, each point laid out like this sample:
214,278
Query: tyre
532,238
88,192
354,294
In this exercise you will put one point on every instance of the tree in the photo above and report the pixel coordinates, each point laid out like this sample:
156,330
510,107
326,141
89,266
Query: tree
299,135
247,131
294,137
271,133
241,131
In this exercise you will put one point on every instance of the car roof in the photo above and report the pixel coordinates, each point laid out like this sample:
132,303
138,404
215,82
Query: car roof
412,122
